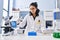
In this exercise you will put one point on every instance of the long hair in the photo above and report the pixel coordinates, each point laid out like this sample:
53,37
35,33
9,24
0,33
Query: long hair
35,5
37,12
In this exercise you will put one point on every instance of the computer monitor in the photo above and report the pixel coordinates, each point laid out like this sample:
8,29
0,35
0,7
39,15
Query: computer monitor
23,14
57,15
49,24
13,24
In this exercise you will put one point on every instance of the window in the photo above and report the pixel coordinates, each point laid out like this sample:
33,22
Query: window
5,8
5,11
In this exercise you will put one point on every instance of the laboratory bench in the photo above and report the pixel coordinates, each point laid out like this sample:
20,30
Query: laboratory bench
24,37
17,36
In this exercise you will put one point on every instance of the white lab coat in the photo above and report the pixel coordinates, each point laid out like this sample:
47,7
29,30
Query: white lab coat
33,25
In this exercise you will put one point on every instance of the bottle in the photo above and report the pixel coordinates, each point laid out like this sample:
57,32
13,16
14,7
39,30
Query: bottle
56,33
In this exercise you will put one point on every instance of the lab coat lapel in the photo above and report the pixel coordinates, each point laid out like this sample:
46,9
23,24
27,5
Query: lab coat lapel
32,19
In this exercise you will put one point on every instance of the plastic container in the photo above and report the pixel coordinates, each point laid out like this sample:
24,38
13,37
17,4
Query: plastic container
56,34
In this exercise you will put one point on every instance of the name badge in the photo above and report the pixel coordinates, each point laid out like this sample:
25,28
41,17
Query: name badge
38,22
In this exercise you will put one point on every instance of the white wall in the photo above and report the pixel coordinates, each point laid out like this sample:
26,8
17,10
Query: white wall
43,4
10,8
1,11
58,4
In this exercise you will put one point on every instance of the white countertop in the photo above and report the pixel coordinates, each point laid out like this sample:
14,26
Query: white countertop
24,37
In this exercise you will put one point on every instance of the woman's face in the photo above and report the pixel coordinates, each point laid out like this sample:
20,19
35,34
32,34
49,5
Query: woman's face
33,9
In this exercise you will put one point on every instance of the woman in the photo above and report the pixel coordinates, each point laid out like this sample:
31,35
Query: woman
33,19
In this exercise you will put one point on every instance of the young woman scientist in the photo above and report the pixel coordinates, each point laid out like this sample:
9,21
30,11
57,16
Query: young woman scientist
33,19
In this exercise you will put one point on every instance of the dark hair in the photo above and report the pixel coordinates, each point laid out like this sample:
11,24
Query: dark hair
37,11
34,4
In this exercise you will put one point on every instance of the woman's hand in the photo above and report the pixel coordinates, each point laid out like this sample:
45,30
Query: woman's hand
19,21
